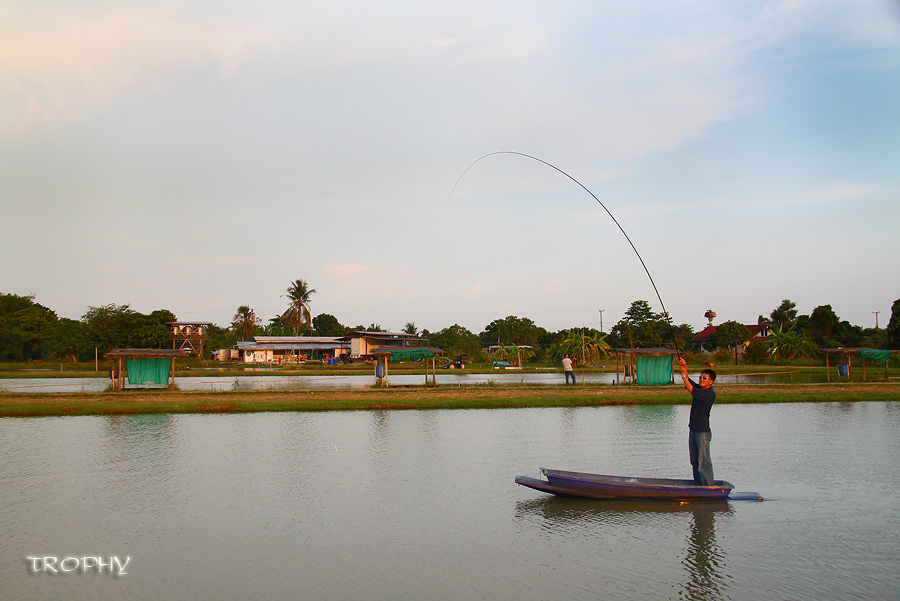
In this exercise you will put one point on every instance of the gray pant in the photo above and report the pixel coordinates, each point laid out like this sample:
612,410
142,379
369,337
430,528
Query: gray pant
698,445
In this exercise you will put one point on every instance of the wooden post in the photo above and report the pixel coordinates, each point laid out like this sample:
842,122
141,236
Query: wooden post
119,376
617,367
827,367
172,385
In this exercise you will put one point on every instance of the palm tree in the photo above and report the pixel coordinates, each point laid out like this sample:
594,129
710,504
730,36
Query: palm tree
410,328
245,322
299,293
586,348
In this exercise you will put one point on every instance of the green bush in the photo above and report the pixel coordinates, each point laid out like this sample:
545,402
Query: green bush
723,355
757,352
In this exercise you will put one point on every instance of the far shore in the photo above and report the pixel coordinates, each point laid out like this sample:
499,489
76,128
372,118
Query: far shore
132,402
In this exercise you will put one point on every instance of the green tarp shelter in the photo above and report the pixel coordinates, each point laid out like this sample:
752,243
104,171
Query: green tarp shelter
645,366
413,353
874,355
653,370
142,370
866,354
144,366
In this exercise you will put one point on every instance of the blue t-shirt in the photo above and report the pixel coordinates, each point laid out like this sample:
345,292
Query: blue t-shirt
700,407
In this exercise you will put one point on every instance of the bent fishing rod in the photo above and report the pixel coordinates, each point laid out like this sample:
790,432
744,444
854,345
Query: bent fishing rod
608,212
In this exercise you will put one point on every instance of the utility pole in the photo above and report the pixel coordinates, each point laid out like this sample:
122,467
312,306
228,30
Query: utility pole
601,320
876,318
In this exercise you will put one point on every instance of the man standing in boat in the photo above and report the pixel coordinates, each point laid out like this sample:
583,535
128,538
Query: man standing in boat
700,433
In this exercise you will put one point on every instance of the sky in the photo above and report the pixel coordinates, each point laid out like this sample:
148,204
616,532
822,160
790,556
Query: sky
196,156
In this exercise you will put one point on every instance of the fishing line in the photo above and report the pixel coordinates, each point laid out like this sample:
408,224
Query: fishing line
608,212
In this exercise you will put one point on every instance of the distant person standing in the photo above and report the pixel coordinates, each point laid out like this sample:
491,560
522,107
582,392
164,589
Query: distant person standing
570,371
700,433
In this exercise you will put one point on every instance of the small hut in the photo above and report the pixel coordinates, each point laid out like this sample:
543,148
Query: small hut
142,366
383,354
864,354
645,366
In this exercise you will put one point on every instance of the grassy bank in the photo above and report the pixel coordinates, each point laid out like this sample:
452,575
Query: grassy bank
490,397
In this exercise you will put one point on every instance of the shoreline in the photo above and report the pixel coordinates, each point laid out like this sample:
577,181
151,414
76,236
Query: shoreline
138,402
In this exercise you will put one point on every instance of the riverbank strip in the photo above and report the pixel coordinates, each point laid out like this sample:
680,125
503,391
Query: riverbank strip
475,397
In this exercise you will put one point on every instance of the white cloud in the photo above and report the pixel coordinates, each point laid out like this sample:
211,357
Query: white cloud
62,67
474,292
360,280
838,191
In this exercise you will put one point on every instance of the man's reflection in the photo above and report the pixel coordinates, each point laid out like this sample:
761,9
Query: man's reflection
703,561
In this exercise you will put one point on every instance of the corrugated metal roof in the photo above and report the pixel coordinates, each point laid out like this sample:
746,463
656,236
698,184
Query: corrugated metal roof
291,339
645,351
387,350
381,335
296,346
147,352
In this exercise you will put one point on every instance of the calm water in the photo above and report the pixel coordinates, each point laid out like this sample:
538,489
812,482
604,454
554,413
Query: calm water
421,505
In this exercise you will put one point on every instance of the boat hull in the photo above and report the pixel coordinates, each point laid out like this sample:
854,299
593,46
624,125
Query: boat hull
600,486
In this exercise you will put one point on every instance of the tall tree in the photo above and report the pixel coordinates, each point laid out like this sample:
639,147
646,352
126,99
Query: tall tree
456,340
640,312
641,327
326,324
71,340
245,322
732,335
119,326
512,330
784,315
823,322
26,327
110,326
298,313
893,327
410,328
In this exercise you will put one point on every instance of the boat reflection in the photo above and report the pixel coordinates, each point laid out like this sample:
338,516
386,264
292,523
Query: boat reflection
703,560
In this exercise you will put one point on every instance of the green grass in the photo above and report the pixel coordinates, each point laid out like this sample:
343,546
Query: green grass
487,397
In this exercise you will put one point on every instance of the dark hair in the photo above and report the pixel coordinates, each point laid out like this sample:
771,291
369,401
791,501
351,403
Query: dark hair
710,373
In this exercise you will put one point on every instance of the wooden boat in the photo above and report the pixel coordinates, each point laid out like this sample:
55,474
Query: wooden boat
599,486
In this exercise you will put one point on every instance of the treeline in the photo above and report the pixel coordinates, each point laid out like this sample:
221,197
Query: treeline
30,331
791,335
